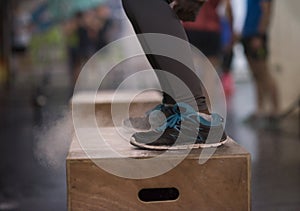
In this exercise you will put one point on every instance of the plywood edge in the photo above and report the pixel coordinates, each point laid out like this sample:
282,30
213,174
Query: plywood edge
229,150
249,180
120,97
68,173
85,159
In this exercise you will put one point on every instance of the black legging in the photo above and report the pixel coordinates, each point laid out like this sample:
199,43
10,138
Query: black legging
156,16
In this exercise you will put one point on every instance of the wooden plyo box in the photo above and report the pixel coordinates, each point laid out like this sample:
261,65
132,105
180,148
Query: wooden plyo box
103,102
221,183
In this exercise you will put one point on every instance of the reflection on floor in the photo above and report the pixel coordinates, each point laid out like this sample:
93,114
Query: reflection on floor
26,183
274,152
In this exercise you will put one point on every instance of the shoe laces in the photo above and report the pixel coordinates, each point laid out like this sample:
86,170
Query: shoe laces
158,107
183,112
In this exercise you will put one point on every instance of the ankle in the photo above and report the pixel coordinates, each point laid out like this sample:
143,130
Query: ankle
205,111
207,117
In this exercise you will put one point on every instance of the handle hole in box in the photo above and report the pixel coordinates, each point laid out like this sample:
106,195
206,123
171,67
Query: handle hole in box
158,194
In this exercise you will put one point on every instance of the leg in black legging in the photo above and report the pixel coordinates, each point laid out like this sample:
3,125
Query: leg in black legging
156,16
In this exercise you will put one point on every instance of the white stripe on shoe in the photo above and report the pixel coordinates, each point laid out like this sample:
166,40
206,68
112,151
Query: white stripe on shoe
177,147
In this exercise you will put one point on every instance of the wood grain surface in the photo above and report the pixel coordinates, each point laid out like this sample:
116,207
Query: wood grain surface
221,183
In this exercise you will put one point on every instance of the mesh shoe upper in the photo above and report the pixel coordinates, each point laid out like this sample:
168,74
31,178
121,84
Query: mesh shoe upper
143,123
186,126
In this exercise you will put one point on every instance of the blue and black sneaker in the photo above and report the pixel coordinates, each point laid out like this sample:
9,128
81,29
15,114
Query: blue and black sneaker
182,128
150,120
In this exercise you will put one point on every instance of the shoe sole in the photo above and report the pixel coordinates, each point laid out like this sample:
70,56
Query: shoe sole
177,147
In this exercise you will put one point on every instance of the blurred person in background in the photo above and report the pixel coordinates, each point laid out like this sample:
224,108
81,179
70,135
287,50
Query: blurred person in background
206,33
228,39
70,27
86,33
254,38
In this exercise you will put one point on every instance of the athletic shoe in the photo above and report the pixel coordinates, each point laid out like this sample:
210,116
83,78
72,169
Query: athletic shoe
152,118
183,129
